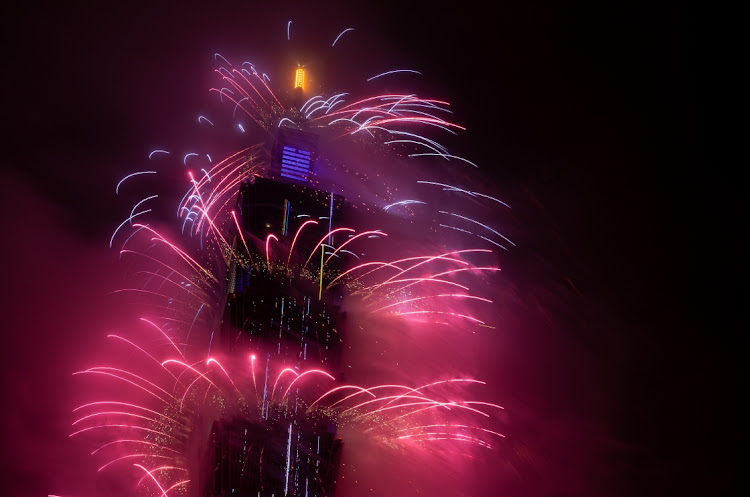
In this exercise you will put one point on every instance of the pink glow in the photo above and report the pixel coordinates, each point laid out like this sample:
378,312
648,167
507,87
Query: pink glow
419,280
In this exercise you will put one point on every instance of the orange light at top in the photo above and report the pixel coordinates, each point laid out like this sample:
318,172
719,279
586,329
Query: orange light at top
299,78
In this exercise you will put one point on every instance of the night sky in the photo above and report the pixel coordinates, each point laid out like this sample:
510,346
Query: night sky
591,119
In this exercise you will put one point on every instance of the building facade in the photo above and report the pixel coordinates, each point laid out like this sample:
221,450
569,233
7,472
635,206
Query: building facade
277,309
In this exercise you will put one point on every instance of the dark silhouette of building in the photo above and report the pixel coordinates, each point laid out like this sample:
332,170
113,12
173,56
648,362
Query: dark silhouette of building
280,456
276,308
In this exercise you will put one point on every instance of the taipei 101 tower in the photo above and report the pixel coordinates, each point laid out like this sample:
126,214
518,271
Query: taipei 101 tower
286,319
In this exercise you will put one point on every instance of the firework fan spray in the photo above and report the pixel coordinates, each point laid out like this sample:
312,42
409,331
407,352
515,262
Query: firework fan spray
291,322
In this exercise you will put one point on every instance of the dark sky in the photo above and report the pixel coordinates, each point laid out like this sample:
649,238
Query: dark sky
589,117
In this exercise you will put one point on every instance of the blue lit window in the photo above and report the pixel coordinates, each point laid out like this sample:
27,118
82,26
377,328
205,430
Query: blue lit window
295,163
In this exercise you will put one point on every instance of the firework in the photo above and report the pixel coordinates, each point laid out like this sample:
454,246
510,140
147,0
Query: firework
196,368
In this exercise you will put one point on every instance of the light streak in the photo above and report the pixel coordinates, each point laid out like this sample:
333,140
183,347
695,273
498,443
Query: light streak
130,456
191,261
343,387
445,156
128,427
189,154
239,231
288,459
191,368
212,360
268,252
322,263
299,377
161,468
163,492
447,436
480,224
138,173
216,55
493,242
473,194
158,328
471,318
340,35
451,425
134,441
117,403
285,370
252,368
158,151
415,142
132,211
106,371
394,72
294,241
323,240
450,295
364,233
456,228
128,220
403,202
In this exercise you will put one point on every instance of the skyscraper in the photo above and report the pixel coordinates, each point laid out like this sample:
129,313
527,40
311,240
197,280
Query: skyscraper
280,312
